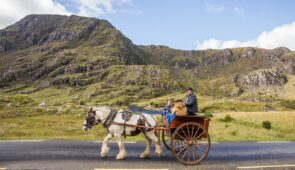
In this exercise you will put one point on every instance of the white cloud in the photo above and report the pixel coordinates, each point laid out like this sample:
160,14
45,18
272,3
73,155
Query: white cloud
100,7
282,36
214,8
13,10
239,10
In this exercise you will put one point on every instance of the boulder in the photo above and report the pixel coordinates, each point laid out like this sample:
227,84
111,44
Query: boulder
261,78
42,105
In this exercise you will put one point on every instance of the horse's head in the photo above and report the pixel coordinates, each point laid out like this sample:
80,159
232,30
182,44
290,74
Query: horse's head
90,120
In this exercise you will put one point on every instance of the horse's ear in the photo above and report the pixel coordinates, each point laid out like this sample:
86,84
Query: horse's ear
91,109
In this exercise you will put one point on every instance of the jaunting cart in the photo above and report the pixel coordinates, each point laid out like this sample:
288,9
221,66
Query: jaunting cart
187,137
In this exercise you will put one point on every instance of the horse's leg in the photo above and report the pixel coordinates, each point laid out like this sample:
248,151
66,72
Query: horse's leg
105,149
154,136
147,152
122,152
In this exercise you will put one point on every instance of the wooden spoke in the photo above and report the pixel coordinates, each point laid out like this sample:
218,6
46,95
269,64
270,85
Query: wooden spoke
192,132
194,156
181,150
200,155
200,135
166,138
184,153
190,143
186,137
196,133
188,131
174,147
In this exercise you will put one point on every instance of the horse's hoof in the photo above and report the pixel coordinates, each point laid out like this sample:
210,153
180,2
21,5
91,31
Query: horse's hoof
119,157
103,155
145,156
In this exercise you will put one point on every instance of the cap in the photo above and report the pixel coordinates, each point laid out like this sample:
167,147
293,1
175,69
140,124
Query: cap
189,88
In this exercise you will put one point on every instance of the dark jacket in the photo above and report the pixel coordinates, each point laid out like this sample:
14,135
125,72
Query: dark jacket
191,104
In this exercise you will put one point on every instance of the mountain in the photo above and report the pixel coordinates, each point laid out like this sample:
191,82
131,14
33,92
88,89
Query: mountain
57,47
88,59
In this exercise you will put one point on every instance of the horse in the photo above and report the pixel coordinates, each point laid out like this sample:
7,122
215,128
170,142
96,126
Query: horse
113,121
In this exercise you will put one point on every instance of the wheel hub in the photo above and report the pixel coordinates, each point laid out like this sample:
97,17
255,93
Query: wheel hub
190,142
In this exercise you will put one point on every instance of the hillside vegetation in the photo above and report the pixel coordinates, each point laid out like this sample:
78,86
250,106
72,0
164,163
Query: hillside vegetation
53,68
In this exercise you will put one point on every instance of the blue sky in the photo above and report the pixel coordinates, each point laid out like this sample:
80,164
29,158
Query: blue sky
194,24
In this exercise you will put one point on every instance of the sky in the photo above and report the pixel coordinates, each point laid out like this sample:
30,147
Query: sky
180,24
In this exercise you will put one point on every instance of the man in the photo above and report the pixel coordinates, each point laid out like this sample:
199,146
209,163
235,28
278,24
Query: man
191,102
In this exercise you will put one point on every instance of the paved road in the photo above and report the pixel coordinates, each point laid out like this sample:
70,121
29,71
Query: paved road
54,154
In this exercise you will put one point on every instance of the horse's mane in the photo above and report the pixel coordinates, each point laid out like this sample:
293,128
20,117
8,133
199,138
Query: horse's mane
105,110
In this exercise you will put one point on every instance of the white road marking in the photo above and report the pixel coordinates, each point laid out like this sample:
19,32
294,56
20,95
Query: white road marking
3,168
127,169
136,142
33,140
273,141
265,166
210,142
113,142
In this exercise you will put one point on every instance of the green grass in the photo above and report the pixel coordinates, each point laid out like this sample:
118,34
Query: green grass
62,118
230,126
248,126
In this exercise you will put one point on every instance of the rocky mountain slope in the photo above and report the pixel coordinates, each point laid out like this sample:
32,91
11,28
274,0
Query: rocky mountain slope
98,63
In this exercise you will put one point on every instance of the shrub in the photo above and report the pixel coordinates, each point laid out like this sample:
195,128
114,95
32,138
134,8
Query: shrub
58,103
208,115
152,104
233,133
23,100
82,102
290,104
266,124
227,118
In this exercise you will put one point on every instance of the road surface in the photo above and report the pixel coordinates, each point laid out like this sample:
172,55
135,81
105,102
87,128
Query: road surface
55,154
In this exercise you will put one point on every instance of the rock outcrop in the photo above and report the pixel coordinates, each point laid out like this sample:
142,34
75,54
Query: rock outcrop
261,79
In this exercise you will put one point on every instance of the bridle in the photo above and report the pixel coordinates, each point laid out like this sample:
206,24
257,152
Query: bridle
90,120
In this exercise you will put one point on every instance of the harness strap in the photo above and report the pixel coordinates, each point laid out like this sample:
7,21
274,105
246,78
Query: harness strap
144,118
126,115
110,118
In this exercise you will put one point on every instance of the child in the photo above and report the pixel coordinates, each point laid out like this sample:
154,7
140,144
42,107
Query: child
168,113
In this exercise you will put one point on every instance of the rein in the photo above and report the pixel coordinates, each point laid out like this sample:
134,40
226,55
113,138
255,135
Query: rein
139,126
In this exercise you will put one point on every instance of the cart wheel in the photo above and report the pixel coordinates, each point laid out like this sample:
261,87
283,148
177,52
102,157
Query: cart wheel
190,143
166,137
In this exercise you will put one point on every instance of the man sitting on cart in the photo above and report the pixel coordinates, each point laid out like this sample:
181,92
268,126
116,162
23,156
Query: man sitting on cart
191,102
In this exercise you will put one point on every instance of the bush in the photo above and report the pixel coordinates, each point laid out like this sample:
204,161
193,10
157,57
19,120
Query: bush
290,104
152,104
208,115
23,100
58,103
266,124
82,102
233,133
227,118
